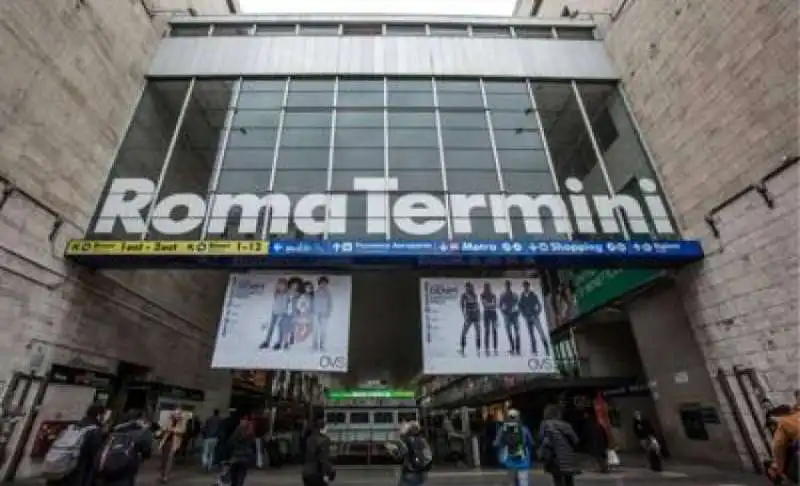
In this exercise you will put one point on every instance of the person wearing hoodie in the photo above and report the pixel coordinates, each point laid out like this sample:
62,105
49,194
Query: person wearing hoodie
129,444
557,445
317,466
514,444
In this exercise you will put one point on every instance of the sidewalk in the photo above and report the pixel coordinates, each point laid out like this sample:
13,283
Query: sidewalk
632,472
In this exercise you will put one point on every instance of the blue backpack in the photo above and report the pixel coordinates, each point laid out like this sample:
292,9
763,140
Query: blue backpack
513,453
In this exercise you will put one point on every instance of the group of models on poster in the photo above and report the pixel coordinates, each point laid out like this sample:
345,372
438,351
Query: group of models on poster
299,310
511,305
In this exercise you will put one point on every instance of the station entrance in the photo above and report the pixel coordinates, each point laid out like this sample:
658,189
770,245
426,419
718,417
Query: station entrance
309,322
393,322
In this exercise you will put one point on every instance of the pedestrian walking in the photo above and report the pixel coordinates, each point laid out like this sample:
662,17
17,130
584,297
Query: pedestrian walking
211,432
318,469
557,445
514,444
72,459
415,455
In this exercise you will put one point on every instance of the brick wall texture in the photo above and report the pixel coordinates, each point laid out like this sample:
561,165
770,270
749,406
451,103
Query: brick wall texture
71,77
714,86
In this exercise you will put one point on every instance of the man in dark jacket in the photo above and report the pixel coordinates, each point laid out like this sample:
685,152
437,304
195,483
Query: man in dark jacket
557,445
240,451
134,427
84,472
317,466
531,307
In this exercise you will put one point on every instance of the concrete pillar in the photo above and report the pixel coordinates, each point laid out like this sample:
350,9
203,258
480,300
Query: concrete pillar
218,393
676,370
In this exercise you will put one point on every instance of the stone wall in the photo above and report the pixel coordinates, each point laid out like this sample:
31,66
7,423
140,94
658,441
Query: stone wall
72,72
714,87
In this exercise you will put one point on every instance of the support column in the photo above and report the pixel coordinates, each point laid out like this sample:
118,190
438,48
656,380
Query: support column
677,373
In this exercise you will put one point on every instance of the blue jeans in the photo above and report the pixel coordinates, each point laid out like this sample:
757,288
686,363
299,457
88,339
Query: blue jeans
209,448
285,328
518,477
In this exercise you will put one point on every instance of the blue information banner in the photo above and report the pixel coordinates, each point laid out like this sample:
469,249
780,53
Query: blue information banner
329,254
541,252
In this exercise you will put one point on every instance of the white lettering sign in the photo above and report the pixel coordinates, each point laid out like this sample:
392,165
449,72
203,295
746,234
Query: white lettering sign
418,214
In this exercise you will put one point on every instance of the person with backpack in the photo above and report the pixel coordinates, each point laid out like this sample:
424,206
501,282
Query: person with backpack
318,469
127,446
414,453
72,458
514,444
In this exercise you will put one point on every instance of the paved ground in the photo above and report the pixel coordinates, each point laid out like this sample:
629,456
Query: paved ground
384,476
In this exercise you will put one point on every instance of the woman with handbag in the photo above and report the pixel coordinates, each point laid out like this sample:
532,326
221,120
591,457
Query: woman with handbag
557,445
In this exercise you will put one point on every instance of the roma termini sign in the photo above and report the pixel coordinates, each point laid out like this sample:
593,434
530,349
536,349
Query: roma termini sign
419,214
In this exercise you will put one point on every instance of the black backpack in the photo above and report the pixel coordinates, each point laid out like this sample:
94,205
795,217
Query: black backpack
419,457
513,439
118,458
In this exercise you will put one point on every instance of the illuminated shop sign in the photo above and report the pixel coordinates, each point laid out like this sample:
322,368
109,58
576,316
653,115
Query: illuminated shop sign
417,213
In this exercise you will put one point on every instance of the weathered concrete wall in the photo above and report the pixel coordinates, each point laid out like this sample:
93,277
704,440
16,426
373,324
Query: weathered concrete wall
714,87
71,74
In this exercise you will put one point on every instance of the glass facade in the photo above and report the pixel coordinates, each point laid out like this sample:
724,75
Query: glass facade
381,158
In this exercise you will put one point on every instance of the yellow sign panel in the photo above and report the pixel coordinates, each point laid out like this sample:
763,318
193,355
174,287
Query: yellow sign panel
167,248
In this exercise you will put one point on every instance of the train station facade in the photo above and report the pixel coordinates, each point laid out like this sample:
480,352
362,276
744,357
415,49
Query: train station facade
432,147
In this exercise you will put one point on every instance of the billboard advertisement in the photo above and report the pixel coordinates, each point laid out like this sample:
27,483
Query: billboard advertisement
483,326
289,321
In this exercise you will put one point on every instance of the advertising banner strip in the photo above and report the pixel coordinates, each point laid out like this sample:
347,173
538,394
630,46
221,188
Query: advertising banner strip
248,253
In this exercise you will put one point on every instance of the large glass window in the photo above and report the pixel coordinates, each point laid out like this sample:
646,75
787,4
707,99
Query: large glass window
358,150
469,159
576,166
518,138
629,170
247,163
450,148
191,163
142,152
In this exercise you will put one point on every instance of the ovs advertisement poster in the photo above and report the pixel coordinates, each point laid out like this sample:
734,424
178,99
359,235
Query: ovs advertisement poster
484,326
289,321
